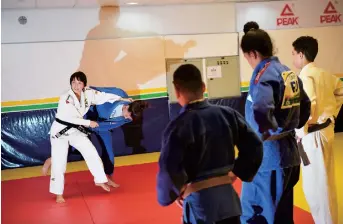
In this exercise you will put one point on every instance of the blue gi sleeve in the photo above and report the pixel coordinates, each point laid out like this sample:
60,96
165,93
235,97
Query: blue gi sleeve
264,105
250,150
305,106
171,176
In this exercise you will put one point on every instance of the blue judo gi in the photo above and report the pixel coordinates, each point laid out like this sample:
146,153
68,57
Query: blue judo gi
275,106
101,113
199,144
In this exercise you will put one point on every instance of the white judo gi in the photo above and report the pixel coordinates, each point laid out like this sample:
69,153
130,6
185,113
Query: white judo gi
72,111
326,94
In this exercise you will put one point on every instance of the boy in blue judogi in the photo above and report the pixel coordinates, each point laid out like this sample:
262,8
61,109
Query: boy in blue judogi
197,165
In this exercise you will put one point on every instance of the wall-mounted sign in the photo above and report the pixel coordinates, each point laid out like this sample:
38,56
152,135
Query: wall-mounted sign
290,14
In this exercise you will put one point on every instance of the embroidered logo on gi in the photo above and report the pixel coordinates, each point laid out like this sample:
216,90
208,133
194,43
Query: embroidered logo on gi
67,100
86,102
260,73
70,100
291,95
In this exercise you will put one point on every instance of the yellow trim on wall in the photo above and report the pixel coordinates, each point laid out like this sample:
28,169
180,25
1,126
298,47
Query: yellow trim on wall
146,91
29,102
55,99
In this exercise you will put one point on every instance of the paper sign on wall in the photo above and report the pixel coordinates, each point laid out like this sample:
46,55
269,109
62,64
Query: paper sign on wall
214,72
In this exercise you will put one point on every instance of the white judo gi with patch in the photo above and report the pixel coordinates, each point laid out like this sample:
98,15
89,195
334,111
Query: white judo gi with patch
71,110
326,94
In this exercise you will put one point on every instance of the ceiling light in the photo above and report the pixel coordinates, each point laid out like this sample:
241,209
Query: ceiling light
131,3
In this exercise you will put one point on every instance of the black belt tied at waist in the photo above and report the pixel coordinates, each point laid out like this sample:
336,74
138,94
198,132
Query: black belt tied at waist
267,137
302,153
69,126
311,129
317,127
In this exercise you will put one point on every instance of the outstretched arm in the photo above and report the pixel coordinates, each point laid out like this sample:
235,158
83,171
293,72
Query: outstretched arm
98,97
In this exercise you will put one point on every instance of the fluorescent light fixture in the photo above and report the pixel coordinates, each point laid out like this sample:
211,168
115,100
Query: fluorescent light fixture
131,3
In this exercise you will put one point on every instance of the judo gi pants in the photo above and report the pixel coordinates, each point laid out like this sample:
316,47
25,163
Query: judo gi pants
268,199
319,177
59,154
133,135
107,154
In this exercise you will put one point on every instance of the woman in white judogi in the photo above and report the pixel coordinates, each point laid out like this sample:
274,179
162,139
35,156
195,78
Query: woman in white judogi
72,106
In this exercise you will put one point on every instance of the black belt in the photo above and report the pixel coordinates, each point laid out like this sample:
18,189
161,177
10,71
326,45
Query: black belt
302,153
267,137
311,129
317,127
69,126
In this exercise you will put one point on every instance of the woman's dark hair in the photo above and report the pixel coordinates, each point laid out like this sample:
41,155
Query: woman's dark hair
137,107
256,40
250,25
80,76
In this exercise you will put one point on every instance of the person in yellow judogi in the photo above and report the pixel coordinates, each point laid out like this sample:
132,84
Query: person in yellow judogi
326,94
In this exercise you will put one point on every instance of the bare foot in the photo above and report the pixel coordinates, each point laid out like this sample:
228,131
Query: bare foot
46,166
104,186
112,183
60,199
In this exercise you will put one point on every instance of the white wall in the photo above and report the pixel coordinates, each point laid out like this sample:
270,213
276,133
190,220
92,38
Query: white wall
74,24
39,57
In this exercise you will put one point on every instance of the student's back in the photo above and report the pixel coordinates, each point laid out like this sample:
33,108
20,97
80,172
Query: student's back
210,133
197,161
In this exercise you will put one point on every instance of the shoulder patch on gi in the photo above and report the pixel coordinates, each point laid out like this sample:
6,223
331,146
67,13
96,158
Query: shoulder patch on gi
291,95
70,100
260,73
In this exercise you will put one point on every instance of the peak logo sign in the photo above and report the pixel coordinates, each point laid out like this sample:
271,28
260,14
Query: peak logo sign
330,15
287,17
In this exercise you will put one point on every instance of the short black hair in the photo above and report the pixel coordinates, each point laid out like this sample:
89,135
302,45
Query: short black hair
187,78
308,46
80,76
257,40
250,25
137,107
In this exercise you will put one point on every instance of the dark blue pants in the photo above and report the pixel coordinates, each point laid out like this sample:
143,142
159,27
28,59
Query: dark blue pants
268,198
107,154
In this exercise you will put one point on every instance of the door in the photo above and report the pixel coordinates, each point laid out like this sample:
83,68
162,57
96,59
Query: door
223,77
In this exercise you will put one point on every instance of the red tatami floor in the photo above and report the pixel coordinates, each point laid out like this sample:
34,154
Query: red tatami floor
28,201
